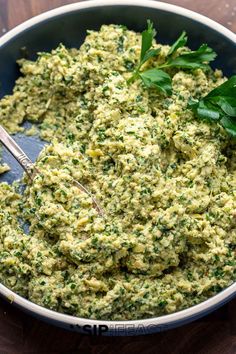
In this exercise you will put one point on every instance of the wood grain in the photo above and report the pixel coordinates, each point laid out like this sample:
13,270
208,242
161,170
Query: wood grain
222,11
22,334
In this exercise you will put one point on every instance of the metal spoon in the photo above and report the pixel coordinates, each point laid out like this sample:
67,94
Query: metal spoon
30,168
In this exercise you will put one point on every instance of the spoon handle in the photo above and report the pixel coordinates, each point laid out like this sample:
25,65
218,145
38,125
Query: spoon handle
29,167
16,152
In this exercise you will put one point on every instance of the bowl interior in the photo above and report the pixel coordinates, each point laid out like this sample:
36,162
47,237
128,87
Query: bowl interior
70,28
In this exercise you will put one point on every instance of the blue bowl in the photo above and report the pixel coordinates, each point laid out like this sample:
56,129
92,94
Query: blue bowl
68,24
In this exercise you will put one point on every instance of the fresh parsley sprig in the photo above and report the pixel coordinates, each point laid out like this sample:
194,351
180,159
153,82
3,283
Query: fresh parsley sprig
158,78
219,106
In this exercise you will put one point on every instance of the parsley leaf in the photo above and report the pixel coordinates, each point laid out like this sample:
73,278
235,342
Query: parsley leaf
158,79
180,42
219,106
147,38
146,53
193,59
150,54
230,125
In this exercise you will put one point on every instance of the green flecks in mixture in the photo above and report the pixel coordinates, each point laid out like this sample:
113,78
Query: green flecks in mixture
165,180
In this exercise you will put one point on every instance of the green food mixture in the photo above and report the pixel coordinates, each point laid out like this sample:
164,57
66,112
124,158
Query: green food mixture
166,181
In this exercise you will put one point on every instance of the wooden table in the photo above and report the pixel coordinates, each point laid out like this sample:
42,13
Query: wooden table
21,334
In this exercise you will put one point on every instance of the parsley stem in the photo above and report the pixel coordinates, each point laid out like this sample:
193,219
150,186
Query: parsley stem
166,65
135,75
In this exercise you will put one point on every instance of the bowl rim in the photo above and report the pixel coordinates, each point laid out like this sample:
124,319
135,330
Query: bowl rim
100,3
164,320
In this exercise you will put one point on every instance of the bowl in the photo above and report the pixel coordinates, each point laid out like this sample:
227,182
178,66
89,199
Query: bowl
68,24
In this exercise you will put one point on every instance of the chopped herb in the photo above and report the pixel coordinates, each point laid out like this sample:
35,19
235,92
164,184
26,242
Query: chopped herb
75,161
162,303
82,148
139,98
38,201
129,65
120,47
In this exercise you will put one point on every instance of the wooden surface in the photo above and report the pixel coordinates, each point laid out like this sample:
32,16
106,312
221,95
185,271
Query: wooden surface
21,334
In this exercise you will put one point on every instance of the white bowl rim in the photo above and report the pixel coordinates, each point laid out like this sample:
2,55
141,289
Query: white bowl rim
165,320
99,3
